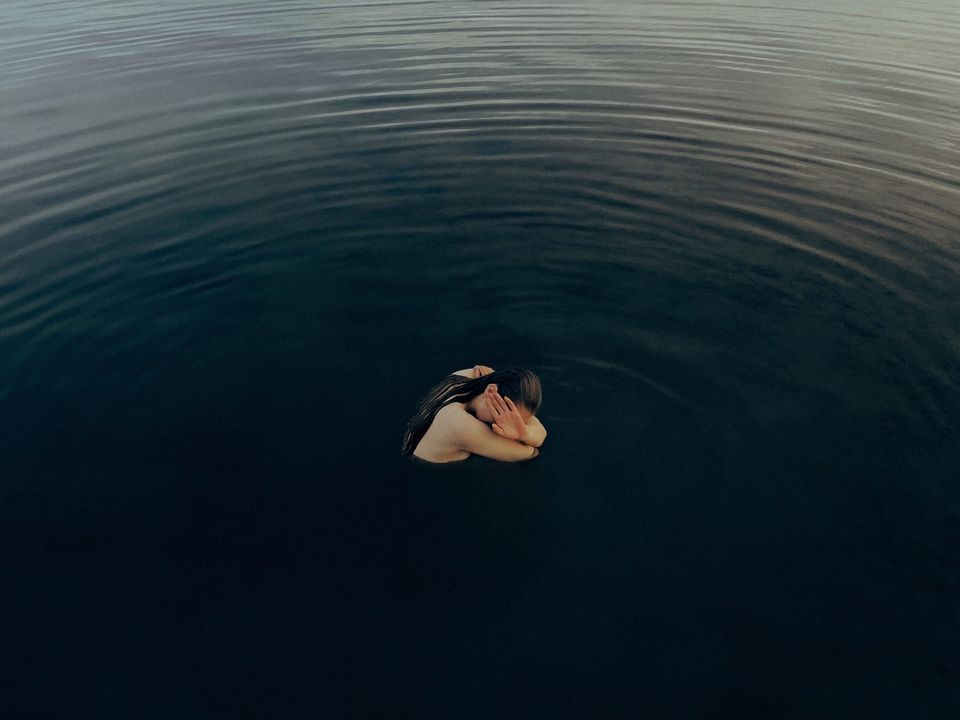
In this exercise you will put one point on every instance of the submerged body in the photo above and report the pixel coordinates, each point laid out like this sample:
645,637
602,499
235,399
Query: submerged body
484,423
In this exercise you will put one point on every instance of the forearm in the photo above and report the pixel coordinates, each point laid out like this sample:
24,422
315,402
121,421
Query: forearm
474,372
536,433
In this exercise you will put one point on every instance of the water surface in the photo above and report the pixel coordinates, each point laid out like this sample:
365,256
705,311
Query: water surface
239,240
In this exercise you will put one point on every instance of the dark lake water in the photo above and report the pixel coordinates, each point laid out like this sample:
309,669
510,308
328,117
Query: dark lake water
239,240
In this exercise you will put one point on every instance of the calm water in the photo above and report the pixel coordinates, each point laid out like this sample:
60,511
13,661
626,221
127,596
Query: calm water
238,241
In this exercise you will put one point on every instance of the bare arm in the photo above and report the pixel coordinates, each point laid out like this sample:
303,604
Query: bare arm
475,372
509,423
536,433
476,437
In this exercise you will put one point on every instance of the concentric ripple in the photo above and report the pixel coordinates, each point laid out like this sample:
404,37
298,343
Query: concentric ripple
239,239
163,159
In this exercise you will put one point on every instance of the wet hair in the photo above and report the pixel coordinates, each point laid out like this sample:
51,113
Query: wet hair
521,386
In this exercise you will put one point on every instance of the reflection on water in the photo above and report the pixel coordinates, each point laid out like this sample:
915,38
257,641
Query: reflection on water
238,240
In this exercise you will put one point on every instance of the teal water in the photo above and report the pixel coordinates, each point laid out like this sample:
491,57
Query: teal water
239,240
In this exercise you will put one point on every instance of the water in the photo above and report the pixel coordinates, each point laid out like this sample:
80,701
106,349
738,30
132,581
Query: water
239,240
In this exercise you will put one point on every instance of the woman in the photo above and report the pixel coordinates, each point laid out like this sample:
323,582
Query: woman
478,411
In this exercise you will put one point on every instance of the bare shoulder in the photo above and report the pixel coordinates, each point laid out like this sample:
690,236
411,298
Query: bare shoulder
454,409
451,417
453,422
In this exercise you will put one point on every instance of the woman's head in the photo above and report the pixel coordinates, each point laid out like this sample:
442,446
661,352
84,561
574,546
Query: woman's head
521,386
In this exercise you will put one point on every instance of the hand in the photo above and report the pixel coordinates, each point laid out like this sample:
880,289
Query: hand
507,421
481,370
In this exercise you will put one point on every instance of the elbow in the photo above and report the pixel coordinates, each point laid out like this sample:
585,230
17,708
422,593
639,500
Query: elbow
537,440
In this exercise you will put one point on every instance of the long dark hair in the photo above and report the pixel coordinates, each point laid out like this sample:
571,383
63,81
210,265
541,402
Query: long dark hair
521,386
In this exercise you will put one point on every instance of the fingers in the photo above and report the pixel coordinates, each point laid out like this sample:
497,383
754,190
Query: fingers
500,405
508,406
493,396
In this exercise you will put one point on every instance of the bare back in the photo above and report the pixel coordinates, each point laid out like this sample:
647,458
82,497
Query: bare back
440,443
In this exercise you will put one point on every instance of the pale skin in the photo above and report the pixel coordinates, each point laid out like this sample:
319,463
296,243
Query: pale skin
489,425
